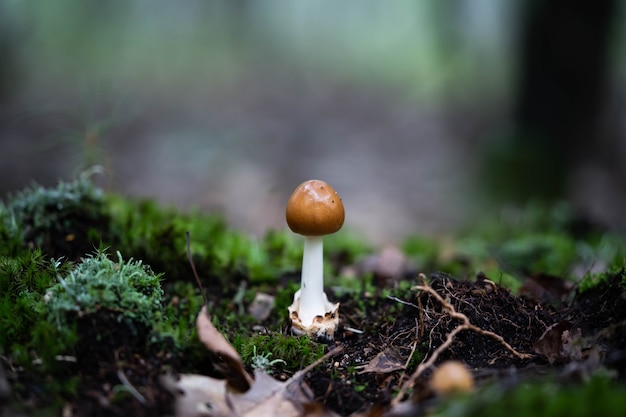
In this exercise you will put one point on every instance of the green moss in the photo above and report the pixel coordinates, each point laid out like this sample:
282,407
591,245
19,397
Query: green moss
10,238
179,313
145,231
615,271
175,335
28,272
26,332
158,236
599,397
278,253
355,285
547,253
128,287
67,220
296,352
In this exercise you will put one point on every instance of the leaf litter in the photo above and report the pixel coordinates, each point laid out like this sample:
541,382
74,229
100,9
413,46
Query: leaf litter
239,394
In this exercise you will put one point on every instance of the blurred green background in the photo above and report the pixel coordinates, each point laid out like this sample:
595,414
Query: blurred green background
424,115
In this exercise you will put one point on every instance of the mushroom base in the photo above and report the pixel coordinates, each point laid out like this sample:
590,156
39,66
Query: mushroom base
323,326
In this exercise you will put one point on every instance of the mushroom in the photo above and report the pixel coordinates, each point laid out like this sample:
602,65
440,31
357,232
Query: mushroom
451,377
314,210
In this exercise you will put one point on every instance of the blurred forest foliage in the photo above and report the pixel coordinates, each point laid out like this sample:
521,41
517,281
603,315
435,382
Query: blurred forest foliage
424,49
437,104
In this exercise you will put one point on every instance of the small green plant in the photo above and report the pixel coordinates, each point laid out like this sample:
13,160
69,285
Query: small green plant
129,288
263,362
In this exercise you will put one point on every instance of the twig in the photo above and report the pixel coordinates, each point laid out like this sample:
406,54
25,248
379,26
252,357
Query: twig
122,376
302,372
193,268
406,365
391,297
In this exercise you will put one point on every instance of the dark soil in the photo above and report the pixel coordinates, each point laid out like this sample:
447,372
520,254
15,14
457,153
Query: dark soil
521,321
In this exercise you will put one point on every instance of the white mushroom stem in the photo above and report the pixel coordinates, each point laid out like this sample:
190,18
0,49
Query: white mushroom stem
312,297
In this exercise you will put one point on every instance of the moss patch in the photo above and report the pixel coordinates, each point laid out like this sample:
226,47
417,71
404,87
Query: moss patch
67,221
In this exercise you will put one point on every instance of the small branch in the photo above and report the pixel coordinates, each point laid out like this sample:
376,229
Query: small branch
129,387
298,375
408,361
390,297
193,268
425,365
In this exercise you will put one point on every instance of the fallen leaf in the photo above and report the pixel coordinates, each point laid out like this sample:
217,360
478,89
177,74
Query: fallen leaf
573,345
269,397
236,376
550,344
212,338
197,395
388,360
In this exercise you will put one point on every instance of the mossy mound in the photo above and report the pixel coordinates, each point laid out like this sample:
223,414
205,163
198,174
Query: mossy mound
128,288
66,221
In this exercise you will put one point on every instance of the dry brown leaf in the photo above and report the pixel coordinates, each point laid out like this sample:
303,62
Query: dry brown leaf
573,345
562,342
269,397
212,338
388,360
550,344
197,395
237,378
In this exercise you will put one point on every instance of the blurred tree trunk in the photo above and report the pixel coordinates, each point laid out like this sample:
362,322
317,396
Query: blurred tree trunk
561,90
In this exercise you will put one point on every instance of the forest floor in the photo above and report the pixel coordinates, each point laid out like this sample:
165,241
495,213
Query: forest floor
401,317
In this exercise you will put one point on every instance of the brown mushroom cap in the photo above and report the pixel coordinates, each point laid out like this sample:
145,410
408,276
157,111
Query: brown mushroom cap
315,209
